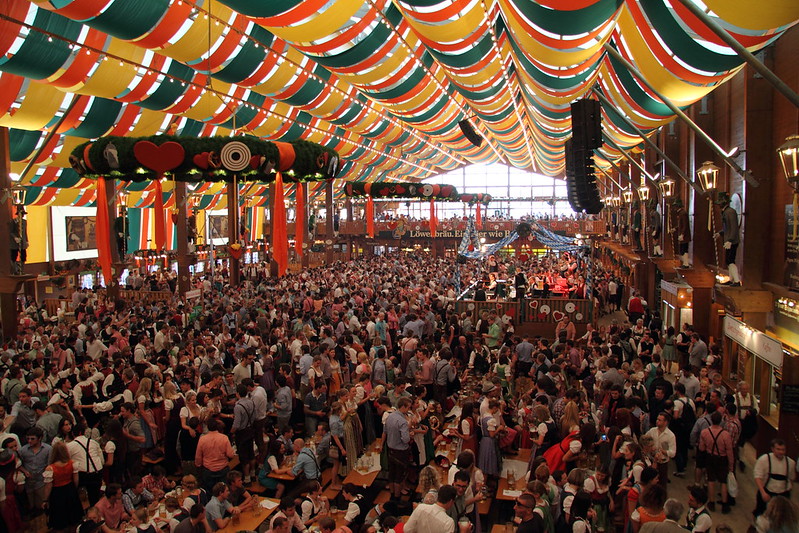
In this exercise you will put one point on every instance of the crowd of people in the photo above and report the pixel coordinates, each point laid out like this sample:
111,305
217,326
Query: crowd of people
188,404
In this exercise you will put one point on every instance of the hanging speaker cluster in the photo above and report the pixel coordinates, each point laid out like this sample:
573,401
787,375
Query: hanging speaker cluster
586,124
469,133
581,183
586,137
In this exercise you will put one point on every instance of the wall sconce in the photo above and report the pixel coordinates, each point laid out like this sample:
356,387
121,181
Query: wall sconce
643,193
666,187
708,174
122,197
789,156
628,196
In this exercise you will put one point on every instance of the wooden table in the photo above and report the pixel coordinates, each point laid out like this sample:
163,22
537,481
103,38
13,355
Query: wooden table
248,521
366,479
523,456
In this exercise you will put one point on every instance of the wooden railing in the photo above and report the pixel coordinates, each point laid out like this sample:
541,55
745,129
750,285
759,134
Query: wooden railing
539,310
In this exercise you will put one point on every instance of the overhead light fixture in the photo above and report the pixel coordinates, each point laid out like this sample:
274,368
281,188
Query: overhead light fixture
789,157
666,187
628,196
708,174
643,193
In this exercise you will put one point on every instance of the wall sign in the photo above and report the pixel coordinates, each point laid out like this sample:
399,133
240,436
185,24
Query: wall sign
791,272
790,399
753,340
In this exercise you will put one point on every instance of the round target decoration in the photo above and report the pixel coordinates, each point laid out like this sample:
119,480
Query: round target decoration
545,309
235,156
578,317
470,307
570,307
427,190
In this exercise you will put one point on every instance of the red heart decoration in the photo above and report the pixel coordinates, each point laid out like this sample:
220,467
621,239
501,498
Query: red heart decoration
542,316
174,216
201,160
534,304
159,158
558,315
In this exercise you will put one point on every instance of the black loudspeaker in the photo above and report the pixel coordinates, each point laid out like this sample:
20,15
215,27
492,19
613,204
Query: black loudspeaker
581,186
586,124
469,133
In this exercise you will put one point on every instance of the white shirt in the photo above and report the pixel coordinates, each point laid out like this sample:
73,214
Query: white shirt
785,467
77,452
430,518
665,441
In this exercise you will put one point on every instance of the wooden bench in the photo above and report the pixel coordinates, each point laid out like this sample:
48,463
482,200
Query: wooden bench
256,488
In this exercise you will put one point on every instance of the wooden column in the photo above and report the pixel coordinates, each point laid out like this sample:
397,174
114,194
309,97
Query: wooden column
329,221
233,230
703,242
8,297
184,259
762,161
302,188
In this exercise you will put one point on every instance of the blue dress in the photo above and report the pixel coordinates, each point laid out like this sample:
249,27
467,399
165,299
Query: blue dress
489,459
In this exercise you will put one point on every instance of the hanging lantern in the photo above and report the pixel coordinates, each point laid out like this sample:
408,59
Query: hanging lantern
666,187
122,198
708,173
628,195
789,156
18,194
643,193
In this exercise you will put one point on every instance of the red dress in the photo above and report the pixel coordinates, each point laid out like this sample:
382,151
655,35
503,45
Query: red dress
11,514
555,454
470,442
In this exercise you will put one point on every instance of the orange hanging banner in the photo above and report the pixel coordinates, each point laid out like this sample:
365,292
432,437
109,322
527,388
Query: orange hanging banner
299,219
280,240
103,232
370,217
433,219
160,216
478,219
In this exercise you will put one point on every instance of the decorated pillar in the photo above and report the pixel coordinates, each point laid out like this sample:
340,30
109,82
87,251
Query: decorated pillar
329,221
301,223
234,247
181,220
8,287
110,199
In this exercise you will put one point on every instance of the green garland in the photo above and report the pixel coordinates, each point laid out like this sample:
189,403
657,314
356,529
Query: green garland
421,191
312,161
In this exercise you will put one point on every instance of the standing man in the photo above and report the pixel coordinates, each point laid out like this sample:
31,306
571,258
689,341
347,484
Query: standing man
315,407
665,445
261,402
133,432
698,519
87,460
244,430
213,454
717,444
35,456
398,440
284,401
774,473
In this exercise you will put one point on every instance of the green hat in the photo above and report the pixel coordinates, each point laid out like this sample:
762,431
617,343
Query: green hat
723,199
